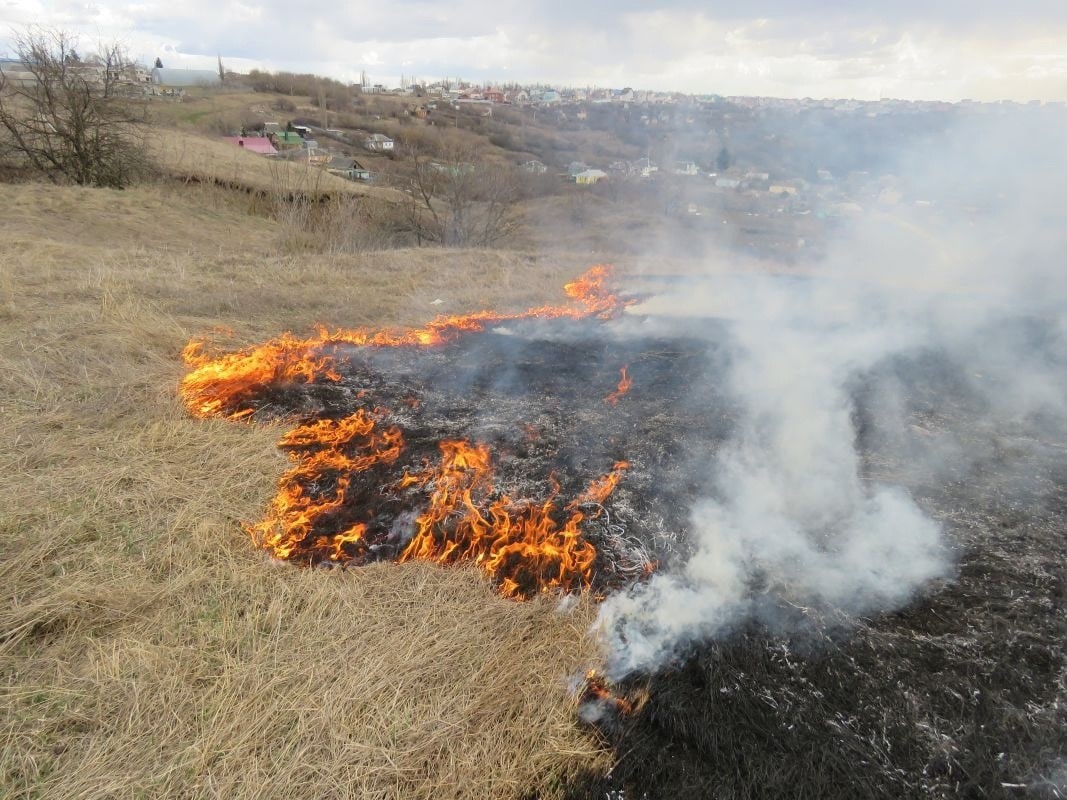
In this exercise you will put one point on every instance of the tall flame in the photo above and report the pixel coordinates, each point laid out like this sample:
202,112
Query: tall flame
518,542
326,452
526,546
222,385
625,382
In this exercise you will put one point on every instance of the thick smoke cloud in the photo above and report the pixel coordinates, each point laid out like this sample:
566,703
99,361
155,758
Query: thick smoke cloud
792,523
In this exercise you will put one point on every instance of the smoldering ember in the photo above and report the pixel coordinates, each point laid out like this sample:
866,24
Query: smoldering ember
592,446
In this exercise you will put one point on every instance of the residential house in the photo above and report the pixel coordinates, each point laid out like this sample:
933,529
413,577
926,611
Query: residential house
253,144
536,167
287,140
494,95
727,183
781,188
314,157
575,167
14,71
644,167
348,167
590,176
378,143
686,168
93,71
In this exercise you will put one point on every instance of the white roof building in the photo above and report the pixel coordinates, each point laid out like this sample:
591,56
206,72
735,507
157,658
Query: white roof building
166,76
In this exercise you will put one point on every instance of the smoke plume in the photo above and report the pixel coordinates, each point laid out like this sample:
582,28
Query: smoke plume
791,520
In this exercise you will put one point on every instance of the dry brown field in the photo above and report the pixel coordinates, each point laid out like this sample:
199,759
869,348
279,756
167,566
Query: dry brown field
147,649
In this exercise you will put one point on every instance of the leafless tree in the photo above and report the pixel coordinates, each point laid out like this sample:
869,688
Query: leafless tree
73,120
456,200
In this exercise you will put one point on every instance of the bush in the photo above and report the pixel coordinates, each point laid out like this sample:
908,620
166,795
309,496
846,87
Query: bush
74,121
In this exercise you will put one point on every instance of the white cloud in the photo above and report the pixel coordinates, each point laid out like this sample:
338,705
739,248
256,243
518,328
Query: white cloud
819,49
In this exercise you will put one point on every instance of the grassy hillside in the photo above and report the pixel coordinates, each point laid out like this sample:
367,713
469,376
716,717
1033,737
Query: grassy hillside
146,649
624,216
198,157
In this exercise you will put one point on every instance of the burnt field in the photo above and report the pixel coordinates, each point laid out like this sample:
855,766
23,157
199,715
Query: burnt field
958,694
543,397
596,436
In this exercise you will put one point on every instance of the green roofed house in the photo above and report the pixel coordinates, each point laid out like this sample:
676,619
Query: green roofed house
286,140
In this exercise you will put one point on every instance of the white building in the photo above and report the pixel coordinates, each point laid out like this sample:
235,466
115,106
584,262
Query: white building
183,78
378,142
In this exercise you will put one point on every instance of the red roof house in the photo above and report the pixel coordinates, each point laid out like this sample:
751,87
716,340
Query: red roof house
254,144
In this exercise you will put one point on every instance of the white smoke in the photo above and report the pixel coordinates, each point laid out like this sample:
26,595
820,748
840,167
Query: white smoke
790,519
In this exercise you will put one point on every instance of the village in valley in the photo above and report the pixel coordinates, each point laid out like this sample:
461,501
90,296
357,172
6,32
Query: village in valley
590,168
767,175
764,175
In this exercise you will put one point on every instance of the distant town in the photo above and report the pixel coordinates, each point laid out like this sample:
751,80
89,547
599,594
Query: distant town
768,176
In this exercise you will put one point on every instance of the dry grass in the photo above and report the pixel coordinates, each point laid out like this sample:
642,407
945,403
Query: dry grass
193,156
146,649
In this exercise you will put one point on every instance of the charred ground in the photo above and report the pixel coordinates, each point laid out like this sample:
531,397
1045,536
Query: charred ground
538,394
961,694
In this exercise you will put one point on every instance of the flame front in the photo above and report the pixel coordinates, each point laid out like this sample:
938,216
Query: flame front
221,386
625,382
596,688
526,546
327,453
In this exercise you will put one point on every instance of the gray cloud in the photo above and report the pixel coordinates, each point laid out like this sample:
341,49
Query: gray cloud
907,49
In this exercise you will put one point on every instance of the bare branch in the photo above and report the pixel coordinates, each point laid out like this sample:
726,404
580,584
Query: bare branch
70,118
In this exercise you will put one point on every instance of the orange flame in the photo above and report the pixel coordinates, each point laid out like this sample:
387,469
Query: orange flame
596,688
319,451
220,386
625,382
518,543
525,546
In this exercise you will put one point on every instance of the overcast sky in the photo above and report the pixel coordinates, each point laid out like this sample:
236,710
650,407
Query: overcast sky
919,49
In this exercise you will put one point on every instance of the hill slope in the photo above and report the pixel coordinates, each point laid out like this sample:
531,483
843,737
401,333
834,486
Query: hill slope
147,649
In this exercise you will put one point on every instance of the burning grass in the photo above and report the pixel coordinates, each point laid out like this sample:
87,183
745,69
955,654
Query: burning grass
339,503
145,649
